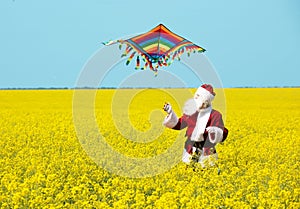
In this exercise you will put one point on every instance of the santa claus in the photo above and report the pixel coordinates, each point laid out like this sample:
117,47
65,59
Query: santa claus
205,127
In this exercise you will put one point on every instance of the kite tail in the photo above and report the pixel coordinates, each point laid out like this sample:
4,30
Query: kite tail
188,52
167,59
137,63
174,55
127,50
145,66
130,58
201,49
181,51
151,66
155,71
164,61
159,63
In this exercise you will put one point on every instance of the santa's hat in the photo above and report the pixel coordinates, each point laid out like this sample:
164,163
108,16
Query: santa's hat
208,88
204,93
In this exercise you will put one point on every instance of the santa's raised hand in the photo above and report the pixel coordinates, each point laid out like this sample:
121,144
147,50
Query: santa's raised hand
167,108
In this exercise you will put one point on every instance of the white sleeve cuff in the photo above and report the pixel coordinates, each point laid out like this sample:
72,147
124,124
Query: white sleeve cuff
218,134
170,120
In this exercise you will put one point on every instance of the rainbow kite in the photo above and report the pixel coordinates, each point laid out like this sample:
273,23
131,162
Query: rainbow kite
156,48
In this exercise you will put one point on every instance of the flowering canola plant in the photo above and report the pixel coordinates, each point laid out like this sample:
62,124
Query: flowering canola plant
44,165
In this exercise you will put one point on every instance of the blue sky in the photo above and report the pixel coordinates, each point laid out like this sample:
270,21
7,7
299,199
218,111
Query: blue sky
249,43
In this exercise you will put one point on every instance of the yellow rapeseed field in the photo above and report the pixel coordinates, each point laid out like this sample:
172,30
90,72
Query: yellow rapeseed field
51,158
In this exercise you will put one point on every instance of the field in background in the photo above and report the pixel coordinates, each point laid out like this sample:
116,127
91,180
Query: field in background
42,163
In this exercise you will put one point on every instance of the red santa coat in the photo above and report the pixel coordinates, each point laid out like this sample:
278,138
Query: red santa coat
189,121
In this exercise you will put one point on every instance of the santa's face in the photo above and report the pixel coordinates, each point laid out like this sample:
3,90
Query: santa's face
203,98
198,100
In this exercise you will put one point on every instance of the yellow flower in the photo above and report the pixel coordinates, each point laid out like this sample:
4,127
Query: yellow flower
43,163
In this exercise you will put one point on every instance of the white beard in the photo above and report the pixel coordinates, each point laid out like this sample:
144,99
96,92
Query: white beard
190,107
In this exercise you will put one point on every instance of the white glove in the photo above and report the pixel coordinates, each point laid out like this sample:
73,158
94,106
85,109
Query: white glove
168,108
215,134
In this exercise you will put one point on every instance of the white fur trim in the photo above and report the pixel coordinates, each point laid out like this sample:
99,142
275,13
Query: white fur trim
186,157
218,134
170,120
202,120
190,107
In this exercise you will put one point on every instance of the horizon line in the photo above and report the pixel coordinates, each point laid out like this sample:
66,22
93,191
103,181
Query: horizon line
87,87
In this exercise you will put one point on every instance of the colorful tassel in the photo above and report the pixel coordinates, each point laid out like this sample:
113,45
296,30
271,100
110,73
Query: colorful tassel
137,63
130,58
145,66
127,50
155,72
150,65
174,55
